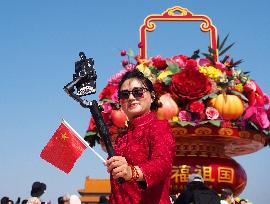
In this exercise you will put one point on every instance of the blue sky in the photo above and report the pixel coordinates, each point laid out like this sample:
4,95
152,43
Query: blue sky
39,43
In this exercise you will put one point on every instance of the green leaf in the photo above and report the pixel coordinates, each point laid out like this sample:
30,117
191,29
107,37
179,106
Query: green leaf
90,134
223,42
226,49
266,132
173,67
237,63
107,100
186,123
153,70
203,122
167,80
215,122
253,125
238,94
218,41
211,50
211,95
208,56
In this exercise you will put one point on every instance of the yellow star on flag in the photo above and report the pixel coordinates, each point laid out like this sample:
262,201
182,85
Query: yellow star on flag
64,136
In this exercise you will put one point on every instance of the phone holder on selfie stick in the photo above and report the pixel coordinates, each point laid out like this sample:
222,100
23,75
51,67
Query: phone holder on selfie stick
84,83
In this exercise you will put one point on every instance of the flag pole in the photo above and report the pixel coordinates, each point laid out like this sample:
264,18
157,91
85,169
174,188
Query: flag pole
83,141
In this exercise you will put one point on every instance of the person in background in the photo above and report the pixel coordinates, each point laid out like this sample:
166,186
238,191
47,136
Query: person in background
227,196
74,199
243,201
103,200
60,200
6,200
66,199
197,192
144,155
38,189
63,199
33,200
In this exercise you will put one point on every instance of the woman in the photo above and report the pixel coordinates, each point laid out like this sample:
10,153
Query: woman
145,153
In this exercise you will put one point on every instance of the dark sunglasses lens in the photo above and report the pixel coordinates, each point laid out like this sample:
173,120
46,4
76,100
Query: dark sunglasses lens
124,95
137,92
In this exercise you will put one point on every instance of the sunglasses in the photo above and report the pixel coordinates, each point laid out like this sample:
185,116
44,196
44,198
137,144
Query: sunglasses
137,92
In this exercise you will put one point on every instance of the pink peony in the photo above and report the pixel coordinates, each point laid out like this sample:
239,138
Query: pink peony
106,107
115,97
257,115
180,60
211,113
184,116
204,62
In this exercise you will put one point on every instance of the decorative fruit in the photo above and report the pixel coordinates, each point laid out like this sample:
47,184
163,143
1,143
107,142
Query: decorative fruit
119,118
169,108
123,52
125,62
230,107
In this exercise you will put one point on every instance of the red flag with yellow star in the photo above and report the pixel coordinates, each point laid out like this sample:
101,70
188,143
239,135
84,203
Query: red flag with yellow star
64,148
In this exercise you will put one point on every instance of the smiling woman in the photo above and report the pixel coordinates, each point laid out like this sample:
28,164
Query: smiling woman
142,159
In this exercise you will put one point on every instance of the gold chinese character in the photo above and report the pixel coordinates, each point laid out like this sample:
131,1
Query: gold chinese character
198,169
184,172
207,174
180,173
225,174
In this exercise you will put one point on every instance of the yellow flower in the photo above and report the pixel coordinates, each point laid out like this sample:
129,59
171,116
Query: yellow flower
144,69
175,119
163,75
239,87
211,72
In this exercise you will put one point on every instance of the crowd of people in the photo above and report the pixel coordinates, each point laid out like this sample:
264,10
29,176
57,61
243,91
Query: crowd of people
38,189
198,192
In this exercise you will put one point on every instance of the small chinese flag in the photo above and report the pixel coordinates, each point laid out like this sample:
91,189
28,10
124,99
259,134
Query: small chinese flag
64,148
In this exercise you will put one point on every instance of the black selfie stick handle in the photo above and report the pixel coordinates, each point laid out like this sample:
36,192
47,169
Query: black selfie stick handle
103,131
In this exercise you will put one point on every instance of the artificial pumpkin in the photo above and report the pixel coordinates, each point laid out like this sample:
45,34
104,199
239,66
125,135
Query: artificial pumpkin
119,118
169,108
230,107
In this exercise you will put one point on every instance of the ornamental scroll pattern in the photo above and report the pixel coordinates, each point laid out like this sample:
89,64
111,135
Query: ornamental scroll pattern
177,13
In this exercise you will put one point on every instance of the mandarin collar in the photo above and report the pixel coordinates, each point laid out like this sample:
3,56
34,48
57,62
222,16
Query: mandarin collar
141,120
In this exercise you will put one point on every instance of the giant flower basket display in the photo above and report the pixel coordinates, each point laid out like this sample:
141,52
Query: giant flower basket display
215,109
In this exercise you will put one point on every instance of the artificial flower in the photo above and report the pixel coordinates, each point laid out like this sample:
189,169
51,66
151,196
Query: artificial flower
197,107
184,116
211,72
163,75
108,91
189,84
211,113
159,63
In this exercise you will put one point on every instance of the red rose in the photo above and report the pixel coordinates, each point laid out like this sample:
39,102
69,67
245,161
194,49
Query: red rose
160,88
107,92
191,63
196,107
159,63
189,84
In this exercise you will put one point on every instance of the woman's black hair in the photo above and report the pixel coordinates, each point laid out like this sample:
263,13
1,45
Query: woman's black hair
146,82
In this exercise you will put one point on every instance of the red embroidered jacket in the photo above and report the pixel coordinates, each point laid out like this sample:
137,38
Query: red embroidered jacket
149,144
